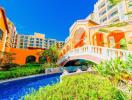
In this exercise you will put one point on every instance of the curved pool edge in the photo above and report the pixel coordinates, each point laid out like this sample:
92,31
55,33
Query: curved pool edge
25,77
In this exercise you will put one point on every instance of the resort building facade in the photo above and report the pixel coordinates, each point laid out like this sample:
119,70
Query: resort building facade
37,40
106,13
87,32
22,46
108,26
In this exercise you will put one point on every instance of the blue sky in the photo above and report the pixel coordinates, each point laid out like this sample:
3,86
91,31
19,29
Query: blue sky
51,17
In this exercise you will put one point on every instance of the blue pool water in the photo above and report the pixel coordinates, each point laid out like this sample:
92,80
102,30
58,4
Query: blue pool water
17,89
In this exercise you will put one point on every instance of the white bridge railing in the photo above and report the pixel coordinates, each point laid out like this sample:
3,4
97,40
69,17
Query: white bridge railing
103,53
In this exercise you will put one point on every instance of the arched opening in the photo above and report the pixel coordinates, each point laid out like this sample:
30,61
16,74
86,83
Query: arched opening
68,47
114,39
60,55
98,39
42,59
79,63
64,51
79,38
30,59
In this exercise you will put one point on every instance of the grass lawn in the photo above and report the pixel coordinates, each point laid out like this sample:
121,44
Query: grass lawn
79,87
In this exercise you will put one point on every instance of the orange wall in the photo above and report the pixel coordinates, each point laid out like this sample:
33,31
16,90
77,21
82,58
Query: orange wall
118,35
3,28
2,21
80,41
99,39
21,54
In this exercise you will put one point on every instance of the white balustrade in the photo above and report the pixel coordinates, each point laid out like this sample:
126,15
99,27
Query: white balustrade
101,52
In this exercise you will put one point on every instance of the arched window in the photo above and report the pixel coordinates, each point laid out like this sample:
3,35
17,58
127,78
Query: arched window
1,34
30,59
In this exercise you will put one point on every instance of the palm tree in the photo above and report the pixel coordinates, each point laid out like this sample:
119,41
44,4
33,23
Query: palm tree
51,54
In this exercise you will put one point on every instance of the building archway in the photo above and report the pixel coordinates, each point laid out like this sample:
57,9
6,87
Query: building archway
79,38
30,59
98,39
114,39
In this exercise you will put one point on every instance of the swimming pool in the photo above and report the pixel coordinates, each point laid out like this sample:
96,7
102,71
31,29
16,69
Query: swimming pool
14,90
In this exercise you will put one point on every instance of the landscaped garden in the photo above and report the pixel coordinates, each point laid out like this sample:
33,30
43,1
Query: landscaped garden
9,70
112,82
79,87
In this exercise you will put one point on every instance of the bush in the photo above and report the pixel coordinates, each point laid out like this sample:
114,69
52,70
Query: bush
31,65
116,69
9,65
79,87
49,65
21,71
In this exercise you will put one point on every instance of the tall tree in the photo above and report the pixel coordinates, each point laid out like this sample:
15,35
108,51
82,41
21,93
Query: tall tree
51,54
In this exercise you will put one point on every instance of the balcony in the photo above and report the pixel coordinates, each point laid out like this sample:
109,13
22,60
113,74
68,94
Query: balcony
113,14
102,4
102,20
102,13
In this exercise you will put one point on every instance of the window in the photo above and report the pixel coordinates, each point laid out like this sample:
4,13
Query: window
112,14
37,38
31,39
109,7
26,37
22,37
25,40
37,45
37,41
31,45
40,42
1,34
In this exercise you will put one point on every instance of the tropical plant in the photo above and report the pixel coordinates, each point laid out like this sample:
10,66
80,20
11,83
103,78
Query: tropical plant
7,57
114,2
49,65
6,60
52,53
79,87
123,44
104,30
42,60
129,13
118,24
115,69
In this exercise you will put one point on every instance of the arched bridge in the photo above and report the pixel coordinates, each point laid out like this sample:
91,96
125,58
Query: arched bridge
93,53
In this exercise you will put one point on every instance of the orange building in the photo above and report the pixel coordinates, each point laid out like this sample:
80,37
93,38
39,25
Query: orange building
7,42
3,30
22,55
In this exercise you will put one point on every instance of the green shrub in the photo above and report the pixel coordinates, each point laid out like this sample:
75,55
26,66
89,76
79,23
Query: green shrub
116,69
49,65
118,24
79,87
21,71
104,30
7,66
